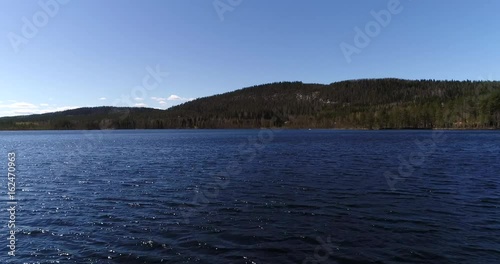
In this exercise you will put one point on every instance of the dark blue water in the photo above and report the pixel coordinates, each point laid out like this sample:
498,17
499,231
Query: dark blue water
253,196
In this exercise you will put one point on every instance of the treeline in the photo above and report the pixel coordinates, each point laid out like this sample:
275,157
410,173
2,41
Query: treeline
357,104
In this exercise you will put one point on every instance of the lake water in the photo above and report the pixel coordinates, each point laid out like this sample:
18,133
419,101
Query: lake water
253,196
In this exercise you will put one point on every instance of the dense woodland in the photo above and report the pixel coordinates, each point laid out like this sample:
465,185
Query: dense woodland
356,104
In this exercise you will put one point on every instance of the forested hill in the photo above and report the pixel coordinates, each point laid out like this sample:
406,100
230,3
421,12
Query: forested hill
357,104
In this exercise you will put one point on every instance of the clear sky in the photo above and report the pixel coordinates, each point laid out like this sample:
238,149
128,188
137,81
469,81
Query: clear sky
91,52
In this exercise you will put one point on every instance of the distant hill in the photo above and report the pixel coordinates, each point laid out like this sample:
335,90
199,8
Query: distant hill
356,104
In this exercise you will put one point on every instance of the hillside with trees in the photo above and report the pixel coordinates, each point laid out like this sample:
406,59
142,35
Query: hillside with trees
355,104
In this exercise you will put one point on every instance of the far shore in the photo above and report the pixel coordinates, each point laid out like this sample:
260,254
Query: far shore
272,128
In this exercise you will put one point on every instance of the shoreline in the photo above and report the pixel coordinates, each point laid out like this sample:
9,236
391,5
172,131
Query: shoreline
271,128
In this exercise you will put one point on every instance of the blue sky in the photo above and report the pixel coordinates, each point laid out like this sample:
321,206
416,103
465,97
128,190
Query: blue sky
92,52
